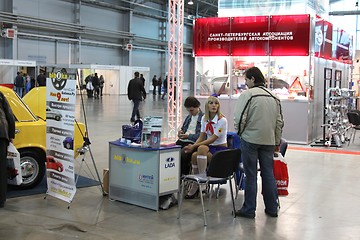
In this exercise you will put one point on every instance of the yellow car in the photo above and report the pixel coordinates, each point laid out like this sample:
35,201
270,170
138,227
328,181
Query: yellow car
30,138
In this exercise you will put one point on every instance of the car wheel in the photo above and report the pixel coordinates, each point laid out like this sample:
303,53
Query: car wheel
68,146
59,169
57,118
32,168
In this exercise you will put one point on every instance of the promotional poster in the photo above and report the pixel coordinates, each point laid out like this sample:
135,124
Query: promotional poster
60,116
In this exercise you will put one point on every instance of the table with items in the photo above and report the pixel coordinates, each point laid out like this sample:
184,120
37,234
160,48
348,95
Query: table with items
140,175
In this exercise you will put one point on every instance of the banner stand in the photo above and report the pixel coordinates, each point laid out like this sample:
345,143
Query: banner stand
60,128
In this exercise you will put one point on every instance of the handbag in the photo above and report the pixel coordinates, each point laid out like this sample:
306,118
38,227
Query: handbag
133,132
281,174
13,165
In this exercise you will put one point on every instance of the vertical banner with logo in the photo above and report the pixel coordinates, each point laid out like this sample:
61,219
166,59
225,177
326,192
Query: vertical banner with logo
60,115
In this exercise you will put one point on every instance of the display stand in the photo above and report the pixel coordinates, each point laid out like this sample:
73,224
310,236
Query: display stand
140,176
336,104
327,84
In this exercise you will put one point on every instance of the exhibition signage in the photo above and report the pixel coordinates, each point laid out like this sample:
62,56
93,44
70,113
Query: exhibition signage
323,38
332,42
60,115
283,35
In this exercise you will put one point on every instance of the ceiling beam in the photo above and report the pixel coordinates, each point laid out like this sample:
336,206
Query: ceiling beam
344,13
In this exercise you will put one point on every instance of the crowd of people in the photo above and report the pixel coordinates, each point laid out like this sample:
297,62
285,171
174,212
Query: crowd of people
94,85
23,83
159,86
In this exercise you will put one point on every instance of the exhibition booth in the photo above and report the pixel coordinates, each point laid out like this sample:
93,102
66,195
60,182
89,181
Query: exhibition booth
9,67
292,51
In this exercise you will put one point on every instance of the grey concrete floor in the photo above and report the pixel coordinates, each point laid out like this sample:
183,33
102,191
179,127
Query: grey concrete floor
323,202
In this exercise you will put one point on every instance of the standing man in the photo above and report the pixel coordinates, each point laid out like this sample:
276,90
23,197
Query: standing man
136,92
165,83
19,84
159,85
142,79
258,120
96,85
154,83
7,134
102,81
41,79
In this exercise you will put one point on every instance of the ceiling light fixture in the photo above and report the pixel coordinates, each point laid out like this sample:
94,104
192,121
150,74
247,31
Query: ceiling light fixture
190,2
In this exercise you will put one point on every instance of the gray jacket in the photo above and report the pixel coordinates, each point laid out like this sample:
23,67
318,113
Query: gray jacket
258,118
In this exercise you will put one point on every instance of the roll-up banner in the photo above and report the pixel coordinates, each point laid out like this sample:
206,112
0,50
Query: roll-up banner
60,115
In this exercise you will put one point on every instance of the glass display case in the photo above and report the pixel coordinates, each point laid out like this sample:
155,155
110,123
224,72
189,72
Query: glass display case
287,76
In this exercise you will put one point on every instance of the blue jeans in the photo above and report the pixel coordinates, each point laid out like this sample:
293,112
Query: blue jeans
136,109
250,153
19,91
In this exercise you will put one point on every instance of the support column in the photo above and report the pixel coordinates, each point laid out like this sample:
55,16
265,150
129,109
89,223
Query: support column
175,67
77,46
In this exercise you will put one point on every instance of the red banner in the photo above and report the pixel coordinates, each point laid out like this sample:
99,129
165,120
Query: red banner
291,35
252,36
323,38
208,35
248,31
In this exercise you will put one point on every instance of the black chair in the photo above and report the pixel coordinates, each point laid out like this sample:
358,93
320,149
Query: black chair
354,119
222,167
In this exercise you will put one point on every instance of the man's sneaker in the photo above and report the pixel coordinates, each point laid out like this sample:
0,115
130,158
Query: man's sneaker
274,214
239,213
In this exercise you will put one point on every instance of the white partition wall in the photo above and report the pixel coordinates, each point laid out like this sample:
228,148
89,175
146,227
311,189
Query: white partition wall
111,76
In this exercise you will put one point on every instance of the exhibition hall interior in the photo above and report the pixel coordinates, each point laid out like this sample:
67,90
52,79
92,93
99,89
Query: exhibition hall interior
88,171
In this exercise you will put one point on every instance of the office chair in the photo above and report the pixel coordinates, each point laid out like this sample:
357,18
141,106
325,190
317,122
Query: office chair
222,167
354,119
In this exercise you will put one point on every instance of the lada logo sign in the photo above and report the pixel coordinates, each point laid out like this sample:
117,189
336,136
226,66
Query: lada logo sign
170,162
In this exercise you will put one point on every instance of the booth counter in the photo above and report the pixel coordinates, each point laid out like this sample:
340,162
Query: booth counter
140,176
296,113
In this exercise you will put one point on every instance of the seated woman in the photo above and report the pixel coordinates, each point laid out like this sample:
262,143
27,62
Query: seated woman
190,131
213,138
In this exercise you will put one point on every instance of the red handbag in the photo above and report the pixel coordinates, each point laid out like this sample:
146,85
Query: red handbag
281,174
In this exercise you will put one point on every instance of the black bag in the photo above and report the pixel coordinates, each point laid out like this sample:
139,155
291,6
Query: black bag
133,132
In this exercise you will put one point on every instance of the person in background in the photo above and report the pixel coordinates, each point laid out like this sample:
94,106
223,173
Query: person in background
259,122
27,84
89,86
136,92
159,82
165,83
19,84
102,82
142,79
96,85
190,131
154,83
32,82
212,138
41,79
7,134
